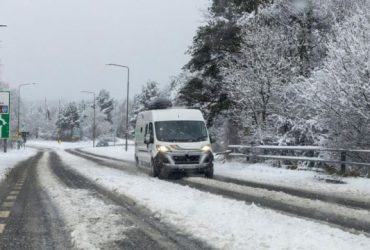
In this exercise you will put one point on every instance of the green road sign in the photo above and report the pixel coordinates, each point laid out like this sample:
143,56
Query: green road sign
4,114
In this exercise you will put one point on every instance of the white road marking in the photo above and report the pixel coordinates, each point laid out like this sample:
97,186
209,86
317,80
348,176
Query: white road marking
14,193
11,198
4,214
8,204
2,227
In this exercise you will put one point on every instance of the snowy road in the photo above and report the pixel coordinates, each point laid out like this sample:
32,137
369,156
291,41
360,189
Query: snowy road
28,218
71,200
133,227
45,205
350,214
318,210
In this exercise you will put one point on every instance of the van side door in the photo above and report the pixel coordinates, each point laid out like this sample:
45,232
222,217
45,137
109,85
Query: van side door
146,150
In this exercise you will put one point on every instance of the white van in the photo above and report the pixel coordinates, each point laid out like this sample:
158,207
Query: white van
171,140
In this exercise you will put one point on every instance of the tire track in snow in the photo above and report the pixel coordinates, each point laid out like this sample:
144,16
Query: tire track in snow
298,192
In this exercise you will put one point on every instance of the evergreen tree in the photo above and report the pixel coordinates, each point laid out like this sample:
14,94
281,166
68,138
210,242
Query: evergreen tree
248,57
148,93
68,121
141,102
338,94
212,46
105,103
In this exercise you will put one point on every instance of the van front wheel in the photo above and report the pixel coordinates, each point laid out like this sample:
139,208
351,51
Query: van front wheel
209,173
154,172
136,161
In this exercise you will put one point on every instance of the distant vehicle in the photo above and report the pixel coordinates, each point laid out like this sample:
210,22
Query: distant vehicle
173,140
102,143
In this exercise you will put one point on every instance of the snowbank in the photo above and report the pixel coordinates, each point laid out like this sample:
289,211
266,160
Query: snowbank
117,152
13,157
356,188
68,145
56,145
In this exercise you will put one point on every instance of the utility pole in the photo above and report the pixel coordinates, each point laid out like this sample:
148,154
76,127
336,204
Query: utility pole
94,122
19,108
128,89
59,125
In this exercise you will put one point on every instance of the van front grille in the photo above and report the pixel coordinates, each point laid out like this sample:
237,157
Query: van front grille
186,159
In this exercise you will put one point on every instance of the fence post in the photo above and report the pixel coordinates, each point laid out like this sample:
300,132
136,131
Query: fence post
248,153
254,153
227,156
343,165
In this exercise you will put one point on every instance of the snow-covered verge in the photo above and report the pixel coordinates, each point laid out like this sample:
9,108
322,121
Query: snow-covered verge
356,188
79,144
117,152
88,218
223,223
11,158
57,145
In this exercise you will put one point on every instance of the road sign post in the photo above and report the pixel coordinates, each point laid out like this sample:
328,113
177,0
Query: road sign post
4,117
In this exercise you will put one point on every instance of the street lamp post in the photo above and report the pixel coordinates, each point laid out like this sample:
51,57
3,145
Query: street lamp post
59,125
128,88
19,107
94,107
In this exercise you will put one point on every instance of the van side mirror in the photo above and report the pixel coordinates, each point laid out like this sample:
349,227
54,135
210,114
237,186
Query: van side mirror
148,139
212,139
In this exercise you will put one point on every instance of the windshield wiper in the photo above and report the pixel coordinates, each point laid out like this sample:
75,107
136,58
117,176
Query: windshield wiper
200,138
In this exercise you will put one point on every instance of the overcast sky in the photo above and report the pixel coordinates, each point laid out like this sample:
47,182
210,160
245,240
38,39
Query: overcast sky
64,44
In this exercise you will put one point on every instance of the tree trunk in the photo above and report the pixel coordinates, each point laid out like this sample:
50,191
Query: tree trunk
256,5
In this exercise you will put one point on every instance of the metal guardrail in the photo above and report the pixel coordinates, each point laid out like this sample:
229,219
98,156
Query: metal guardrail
251,153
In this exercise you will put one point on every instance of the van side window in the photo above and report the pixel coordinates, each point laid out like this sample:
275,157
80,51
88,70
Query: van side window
151,130
146,131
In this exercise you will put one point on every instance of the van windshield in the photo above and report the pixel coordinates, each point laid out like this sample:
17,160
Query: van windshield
181,131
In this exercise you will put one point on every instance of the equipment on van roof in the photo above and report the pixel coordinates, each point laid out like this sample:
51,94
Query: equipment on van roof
160,103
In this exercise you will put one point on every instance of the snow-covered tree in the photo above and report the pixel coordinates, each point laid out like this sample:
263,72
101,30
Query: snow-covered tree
68,121
247,62
38,118
340,91
105,103
148,93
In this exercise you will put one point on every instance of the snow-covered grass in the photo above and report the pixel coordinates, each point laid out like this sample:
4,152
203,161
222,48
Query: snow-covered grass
356,188
70,145
57,145
117,152
223,223
92,223
11,158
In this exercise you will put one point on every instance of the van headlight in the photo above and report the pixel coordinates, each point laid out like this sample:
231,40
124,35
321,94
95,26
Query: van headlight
206,148
163,149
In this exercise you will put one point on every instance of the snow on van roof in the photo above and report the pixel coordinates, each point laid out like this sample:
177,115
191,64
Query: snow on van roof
175,114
